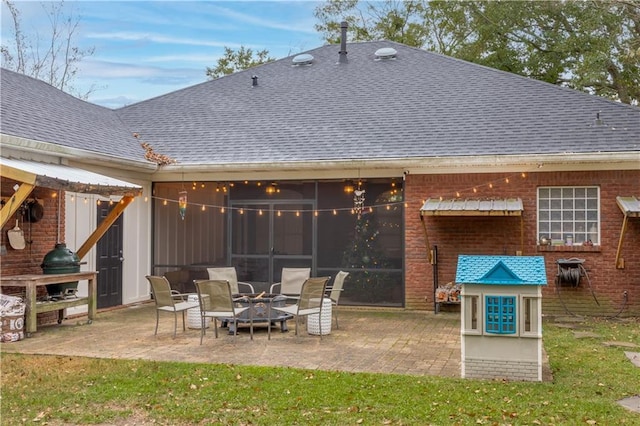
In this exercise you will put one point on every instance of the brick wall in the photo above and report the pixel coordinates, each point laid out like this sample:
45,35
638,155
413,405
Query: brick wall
41,237
494,369
501,236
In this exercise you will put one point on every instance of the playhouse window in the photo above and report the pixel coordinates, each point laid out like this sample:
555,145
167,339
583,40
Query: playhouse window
471,313
530,316
500,314
569,215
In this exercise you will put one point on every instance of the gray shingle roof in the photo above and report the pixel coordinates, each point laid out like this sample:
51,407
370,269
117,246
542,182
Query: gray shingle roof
33,109
418,105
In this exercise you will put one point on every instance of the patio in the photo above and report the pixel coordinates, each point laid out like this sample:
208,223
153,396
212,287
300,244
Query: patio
368,340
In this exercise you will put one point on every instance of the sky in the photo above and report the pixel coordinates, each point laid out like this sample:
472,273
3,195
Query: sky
144,49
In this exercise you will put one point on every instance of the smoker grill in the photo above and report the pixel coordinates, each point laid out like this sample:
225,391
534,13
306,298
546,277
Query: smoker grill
61,260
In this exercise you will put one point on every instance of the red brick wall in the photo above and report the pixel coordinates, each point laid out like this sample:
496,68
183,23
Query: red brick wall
41,237
501,235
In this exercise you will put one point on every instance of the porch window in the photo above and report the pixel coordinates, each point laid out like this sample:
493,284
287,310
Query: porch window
569,215
500,314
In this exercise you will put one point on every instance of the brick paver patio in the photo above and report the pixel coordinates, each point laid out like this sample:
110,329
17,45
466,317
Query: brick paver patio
368,340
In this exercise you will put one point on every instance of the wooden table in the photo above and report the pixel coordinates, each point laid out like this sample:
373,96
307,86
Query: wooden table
31,282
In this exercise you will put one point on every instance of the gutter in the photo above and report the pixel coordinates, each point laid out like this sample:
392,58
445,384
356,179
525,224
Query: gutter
402,166
74,154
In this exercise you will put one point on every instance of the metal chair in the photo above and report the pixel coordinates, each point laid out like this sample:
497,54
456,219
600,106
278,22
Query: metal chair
291,281
335,291
216,302
165,299
229,274
310,301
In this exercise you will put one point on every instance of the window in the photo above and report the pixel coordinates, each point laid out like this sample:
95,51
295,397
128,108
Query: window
500,314
569,215
471,315
530,316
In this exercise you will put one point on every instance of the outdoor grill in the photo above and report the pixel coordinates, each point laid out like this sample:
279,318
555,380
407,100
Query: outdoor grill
61,260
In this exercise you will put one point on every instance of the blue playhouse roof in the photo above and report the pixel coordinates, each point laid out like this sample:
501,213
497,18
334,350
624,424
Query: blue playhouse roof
501,270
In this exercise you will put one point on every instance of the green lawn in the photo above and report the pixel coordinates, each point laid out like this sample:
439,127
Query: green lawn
589,377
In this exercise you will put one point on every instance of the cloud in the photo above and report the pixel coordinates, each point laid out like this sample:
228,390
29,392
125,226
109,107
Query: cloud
104,70
158,38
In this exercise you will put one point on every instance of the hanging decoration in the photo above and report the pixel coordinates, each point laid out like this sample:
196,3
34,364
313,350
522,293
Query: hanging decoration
182,203
358,200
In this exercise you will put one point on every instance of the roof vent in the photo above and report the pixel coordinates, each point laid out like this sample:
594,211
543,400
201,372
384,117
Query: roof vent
386,53
255,81
302,59
343,43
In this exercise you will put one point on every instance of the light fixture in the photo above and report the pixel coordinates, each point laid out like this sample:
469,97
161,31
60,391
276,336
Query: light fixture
272,189
349,187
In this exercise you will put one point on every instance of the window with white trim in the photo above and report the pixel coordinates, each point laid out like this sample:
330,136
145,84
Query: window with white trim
530,316
471,314
569,215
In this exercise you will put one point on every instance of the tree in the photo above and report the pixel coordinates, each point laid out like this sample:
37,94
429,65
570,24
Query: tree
592,46
241,59
54,58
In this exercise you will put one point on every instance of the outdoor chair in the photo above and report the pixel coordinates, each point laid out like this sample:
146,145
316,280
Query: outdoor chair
168,300
335,291
291,281
229,274
216,303
309,302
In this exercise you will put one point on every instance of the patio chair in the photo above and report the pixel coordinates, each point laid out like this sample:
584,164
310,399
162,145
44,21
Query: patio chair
335,291
291,281
216,303
229,274
168,300
309,302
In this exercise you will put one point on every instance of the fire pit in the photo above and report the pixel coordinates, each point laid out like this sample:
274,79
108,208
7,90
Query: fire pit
260,309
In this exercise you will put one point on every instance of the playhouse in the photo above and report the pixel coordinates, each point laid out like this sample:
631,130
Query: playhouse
501,324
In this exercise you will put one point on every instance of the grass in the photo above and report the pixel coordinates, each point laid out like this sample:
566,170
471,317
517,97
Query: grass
589,378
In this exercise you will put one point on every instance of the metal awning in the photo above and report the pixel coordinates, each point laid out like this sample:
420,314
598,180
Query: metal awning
30,174
506,207
630,207
467,207
58,176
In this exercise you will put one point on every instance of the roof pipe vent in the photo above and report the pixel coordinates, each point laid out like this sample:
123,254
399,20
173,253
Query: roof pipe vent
255,80
343,42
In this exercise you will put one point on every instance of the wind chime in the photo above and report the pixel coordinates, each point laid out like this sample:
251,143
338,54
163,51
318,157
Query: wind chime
182,203
182,200
358,200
